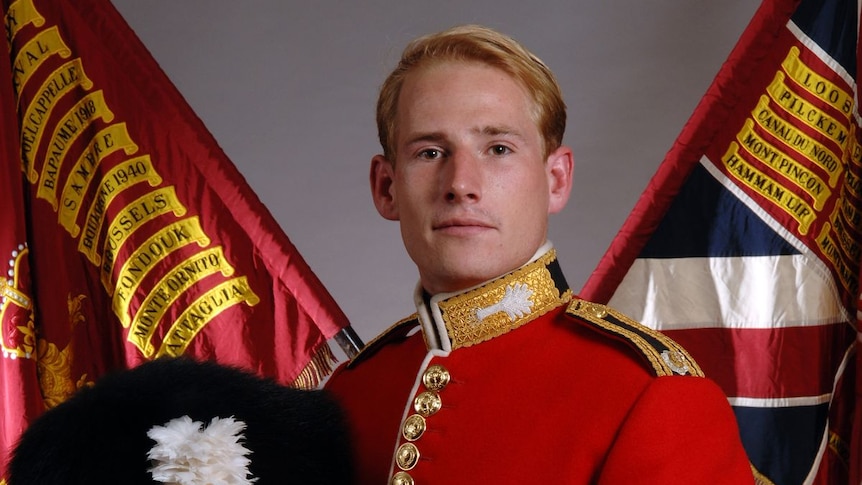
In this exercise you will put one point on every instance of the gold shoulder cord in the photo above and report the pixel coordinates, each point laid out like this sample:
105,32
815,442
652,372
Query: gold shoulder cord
666,356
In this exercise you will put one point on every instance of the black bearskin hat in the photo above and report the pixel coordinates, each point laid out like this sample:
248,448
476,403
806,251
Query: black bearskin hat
181,421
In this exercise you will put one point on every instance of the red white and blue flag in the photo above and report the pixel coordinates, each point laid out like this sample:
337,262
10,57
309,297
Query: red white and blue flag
745,246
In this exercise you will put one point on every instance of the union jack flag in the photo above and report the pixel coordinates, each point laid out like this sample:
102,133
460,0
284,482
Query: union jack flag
745,246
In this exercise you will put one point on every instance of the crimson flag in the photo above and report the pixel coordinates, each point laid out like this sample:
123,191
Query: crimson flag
745,246
128,233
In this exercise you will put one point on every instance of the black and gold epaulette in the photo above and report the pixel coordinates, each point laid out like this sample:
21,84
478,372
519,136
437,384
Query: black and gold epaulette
664,355
397,331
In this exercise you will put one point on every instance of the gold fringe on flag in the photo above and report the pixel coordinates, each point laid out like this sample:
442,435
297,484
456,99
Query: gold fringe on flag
318,368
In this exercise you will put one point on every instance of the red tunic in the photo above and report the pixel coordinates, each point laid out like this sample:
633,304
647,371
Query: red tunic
549,395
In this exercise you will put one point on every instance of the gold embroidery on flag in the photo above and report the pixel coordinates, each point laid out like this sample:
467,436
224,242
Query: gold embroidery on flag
796,173
55,369
110,240
44,45
73,124
175,282
797,140
850,213
846,242
827,245
202,311
107,141
853,184
807,113
854,148
16,310
769,188
60,82
804,113
140,211
157,247
817,85
28,59
20,14
112,184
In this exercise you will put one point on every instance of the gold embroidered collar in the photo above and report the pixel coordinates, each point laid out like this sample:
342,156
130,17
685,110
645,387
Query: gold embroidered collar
451,321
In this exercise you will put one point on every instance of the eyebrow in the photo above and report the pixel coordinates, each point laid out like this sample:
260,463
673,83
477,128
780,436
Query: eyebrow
499,130
426,137
437,136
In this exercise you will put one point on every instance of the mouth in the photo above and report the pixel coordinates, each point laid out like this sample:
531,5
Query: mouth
462,225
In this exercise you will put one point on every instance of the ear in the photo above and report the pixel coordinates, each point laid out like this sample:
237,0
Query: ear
382,177
560,166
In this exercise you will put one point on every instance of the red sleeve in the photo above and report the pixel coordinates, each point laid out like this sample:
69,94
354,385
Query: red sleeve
681,430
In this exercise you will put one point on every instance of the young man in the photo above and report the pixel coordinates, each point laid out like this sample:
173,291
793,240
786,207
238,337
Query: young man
503,376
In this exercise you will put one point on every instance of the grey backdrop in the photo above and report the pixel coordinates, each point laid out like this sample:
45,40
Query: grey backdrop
288,90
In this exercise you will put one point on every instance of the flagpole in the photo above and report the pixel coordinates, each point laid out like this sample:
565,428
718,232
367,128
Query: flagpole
349,341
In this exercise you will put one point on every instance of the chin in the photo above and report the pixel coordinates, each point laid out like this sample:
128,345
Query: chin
456,269
467,277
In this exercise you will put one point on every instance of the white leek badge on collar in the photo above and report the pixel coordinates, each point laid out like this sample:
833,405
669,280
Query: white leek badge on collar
188,453
516,303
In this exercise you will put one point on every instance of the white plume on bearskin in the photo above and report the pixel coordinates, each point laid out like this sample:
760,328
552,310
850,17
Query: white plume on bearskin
189,452
180,421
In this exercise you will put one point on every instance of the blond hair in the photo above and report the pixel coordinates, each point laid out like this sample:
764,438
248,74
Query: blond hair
477,44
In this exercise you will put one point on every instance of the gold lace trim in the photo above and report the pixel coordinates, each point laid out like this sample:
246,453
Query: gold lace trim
666,356
531,292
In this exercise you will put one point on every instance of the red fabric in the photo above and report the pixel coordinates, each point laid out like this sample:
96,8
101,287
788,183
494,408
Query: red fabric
20,398
775,352
551,402
143,237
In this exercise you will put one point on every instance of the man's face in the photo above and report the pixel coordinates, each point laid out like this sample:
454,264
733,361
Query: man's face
469,185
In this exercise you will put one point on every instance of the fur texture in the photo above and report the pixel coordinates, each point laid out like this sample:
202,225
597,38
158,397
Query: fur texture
99,436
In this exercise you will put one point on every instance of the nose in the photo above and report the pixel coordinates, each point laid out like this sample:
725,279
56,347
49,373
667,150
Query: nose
464,178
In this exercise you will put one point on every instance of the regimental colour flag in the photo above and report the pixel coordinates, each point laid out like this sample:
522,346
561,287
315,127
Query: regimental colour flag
745,246
125,232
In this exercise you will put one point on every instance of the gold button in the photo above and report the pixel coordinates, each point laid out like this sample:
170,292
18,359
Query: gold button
600,311
413,427
427,403
401,478
407,456
435,377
